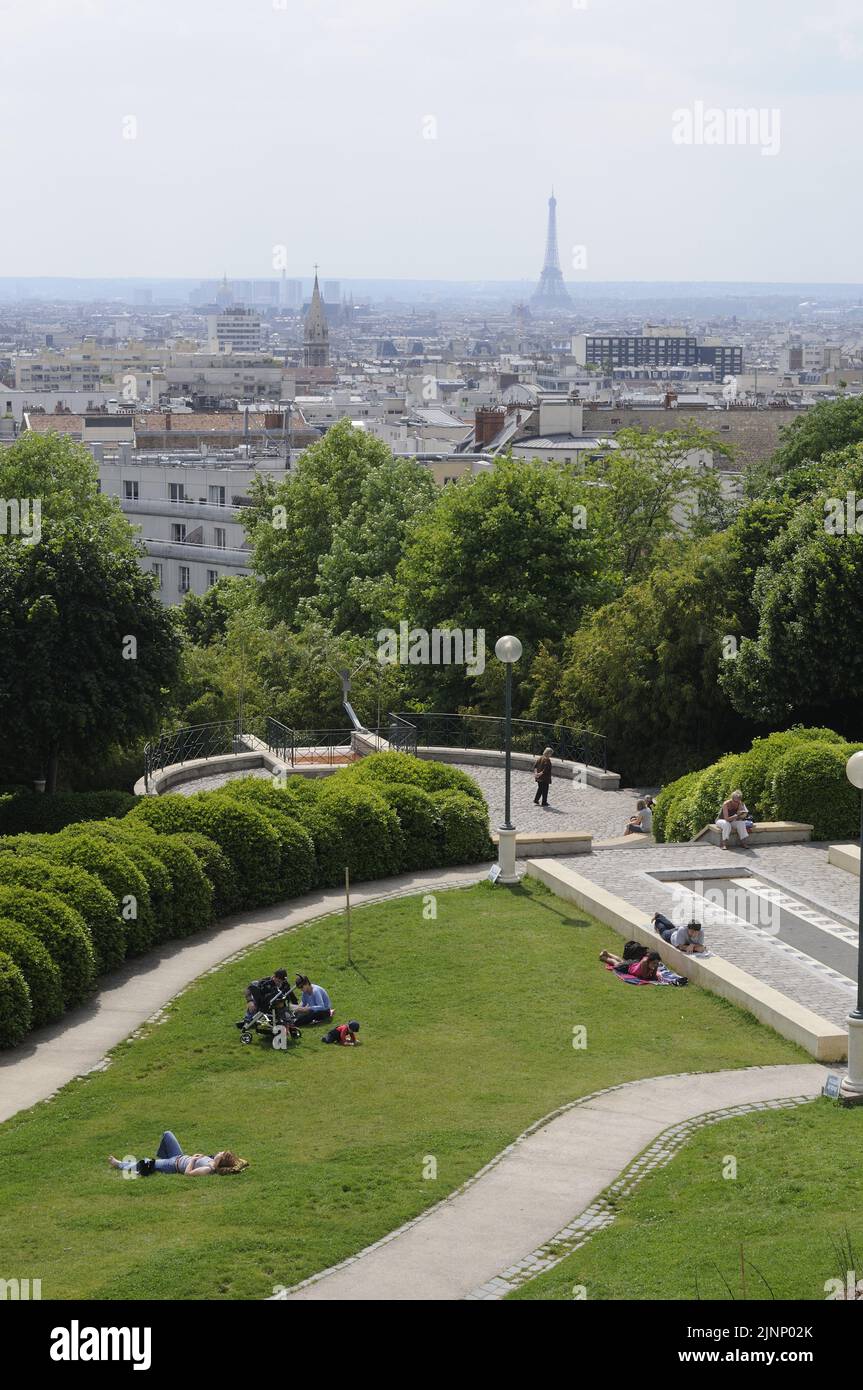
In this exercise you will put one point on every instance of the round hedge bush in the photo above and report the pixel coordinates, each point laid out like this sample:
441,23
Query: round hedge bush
80,890
352,826
465,829
809,784
759,763
62,933
38,969
712,787
421,823
671,810
297,869
216,866
191,890
16,1013
141,848
393,767
238,828
112,866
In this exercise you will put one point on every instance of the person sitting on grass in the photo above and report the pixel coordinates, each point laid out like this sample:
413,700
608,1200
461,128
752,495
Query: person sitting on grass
171,1159
345,1034
260,994
315,1006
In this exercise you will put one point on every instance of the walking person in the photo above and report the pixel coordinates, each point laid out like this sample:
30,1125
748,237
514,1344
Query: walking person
542,777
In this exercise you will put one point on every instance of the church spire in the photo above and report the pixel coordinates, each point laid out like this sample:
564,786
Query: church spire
316,335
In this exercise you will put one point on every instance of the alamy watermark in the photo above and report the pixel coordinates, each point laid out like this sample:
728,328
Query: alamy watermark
21,516
759,126
443,646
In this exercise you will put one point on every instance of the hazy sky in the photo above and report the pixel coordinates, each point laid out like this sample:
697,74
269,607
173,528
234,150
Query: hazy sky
306,124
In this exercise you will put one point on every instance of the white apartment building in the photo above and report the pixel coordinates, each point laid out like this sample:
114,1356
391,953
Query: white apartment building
235,330
187,511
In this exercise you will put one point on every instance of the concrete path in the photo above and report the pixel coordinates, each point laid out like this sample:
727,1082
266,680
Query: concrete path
50,1057
539,1184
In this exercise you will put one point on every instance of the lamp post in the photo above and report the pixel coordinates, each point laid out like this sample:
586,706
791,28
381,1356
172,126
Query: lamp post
851,1089
507,650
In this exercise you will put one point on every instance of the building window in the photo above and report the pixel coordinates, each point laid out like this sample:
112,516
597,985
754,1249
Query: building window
212,576
130,490
219,537
216,496
157,570
184,583
177,492
178,531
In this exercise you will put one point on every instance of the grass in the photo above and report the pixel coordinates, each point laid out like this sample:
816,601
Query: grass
793,1212
467,1025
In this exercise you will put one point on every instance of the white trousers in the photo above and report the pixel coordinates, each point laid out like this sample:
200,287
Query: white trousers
739,826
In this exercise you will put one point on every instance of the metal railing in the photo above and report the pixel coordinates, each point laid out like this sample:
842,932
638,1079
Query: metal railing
435,730
197,741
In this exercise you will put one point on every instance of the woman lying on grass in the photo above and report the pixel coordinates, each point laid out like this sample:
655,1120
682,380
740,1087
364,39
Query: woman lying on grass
171,1159
646,970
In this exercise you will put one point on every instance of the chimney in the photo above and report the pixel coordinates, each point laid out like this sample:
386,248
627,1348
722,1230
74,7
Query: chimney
167,419
488,421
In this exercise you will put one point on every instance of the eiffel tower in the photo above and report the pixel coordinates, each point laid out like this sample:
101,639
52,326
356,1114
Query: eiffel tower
550,295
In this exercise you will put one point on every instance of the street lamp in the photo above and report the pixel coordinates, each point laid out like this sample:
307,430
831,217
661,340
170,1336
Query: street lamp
507,650
851,1089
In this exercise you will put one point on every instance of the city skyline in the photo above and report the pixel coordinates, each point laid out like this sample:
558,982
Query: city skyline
315,133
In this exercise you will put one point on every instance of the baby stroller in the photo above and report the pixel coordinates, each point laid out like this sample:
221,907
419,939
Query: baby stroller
271,1015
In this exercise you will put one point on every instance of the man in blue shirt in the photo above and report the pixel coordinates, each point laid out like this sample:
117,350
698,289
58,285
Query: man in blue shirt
315,1006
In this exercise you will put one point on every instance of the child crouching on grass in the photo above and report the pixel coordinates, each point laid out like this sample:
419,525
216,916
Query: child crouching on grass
345,1034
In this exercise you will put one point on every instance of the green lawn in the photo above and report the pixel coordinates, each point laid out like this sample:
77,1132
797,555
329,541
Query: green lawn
793,1208
467,1025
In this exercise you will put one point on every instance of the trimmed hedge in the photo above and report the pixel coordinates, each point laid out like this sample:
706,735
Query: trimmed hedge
35,812
61,931
797,774
465,828
297,868
404,769
216,866
97,890
16,1012
80,890
37,967
421,823
112,866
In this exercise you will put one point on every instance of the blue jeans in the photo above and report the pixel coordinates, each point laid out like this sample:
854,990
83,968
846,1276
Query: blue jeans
664,927
166,1155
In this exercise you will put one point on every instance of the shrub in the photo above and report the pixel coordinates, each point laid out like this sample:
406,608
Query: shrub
38,969
421,823
37,812
249,841
668,811
61,931
141,849
191,895
710,790
809,784
112,866
297,870
465,829
16,1012
80,890
759,763
394,767
216,866
352,826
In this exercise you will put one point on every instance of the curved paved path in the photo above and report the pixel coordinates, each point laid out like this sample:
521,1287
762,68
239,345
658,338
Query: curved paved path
539,1184
53,1056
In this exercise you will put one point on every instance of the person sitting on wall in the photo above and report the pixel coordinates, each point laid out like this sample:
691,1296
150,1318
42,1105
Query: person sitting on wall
734,816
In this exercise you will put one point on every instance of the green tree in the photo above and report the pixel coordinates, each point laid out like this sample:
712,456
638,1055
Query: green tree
89,653
824,429
500,552
650,488
291,524
356,577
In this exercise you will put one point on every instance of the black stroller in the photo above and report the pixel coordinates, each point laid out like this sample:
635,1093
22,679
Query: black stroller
271,1015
